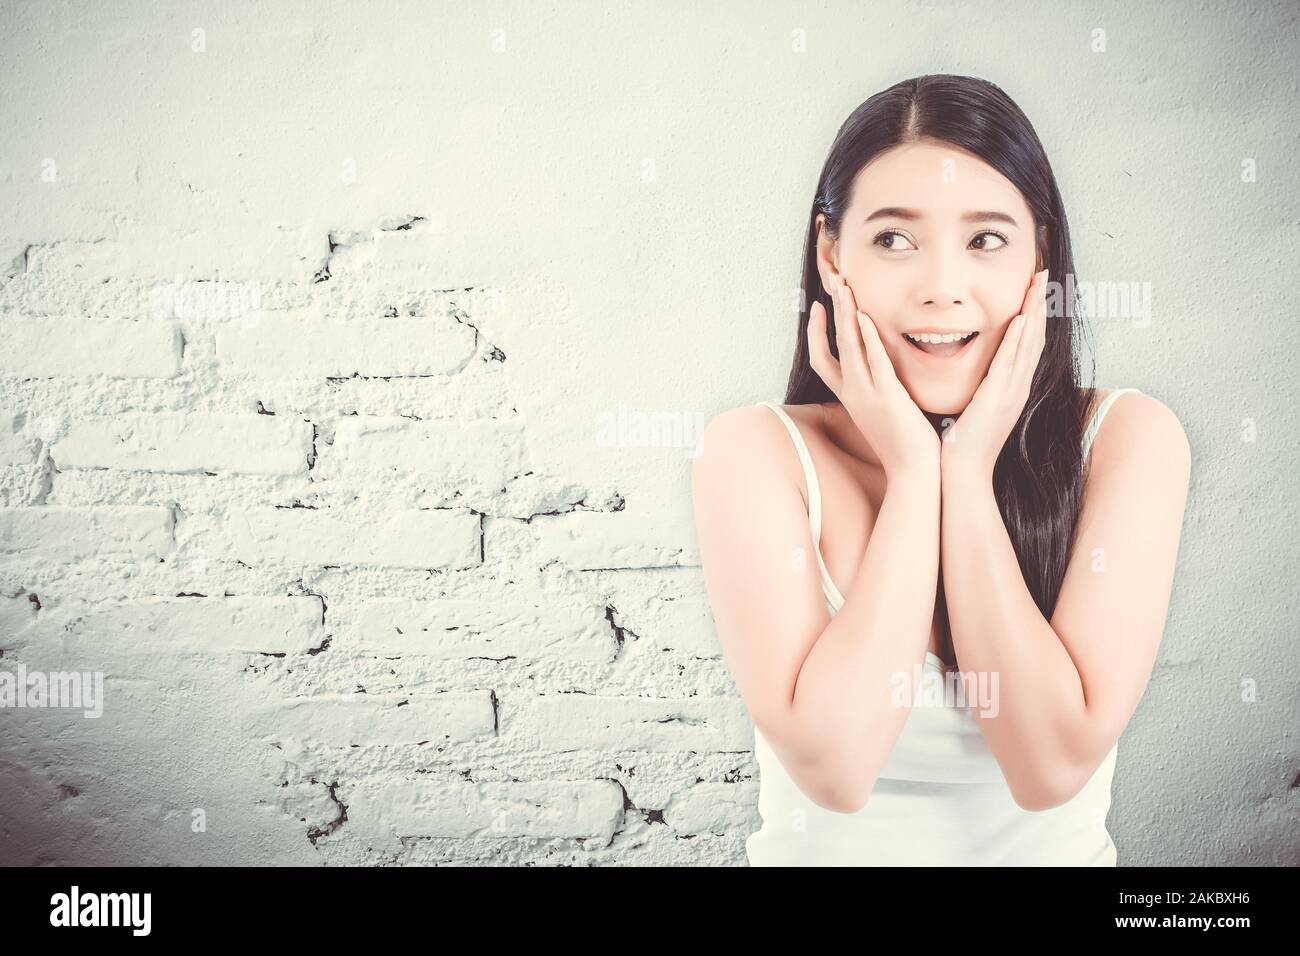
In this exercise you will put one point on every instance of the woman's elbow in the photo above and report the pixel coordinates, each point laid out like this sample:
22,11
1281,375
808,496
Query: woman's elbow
831,778
1046,792
839,795
851,802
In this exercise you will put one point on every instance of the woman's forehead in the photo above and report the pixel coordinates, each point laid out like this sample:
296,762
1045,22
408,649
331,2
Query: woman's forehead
935,180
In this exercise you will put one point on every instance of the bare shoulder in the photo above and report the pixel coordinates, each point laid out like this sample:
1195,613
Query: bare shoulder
735,429
748,431
1141,432
750,443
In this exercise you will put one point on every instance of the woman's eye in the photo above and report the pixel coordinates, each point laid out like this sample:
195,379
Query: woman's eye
981,242
1001,241
885,236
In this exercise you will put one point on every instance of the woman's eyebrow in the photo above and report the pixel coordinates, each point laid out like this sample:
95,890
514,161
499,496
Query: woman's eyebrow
979,215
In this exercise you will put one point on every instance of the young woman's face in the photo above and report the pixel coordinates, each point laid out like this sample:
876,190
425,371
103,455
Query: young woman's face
934,239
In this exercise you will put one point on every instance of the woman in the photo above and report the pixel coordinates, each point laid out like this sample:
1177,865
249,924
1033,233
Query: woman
938,673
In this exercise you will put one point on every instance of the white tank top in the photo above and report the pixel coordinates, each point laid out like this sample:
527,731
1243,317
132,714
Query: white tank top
940,798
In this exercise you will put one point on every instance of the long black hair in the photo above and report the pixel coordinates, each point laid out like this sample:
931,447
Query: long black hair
1038,479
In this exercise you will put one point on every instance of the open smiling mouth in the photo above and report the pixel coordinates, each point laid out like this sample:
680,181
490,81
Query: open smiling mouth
937,349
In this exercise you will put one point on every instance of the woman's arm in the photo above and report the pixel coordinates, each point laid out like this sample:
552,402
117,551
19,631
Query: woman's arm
819,689
1068,688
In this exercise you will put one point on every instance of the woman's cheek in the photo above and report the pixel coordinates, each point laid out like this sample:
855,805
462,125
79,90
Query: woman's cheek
1012,296
874,298
886,325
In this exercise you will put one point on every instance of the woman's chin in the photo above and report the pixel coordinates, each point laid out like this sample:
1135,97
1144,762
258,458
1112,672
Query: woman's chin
950,405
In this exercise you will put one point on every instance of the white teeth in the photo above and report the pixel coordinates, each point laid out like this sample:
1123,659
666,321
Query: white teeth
933,339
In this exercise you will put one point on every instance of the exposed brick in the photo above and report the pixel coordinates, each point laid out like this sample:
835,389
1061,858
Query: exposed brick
288,625
376,719
77,533
75,346
594,540
243,251
477,454
192,442
714,808
550,809
482,627
430,538
684,626
304,344
621,724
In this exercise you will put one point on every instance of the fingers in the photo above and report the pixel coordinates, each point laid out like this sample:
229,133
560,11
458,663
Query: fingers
882,369
848,334
1034,331
819,349
1027,300
1004,360
1017,345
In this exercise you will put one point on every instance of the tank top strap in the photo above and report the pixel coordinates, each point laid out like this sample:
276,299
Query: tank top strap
809,473
1094,423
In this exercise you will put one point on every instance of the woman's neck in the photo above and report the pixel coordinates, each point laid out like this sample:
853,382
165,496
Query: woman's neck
844,433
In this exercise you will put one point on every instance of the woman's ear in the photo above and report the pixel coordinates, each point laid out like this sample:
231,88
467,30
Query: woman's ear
827,275
826,268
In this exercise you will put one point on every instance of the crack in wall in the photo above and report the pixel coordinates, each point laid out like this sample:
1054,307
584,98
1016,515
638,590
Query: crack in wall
316,833
620,633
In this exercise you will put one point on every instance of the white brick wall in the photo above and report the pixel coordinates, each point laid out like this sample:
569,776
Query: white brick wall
190,442
62,347
337,603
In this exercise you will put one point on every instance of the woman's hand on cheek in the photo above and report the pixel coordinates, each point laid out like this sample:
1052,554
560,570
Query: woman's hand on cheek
971,446
864,381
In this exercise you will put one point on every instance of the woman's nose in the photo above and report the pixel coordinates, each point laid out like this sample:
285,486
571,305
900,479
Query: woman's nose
942,280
